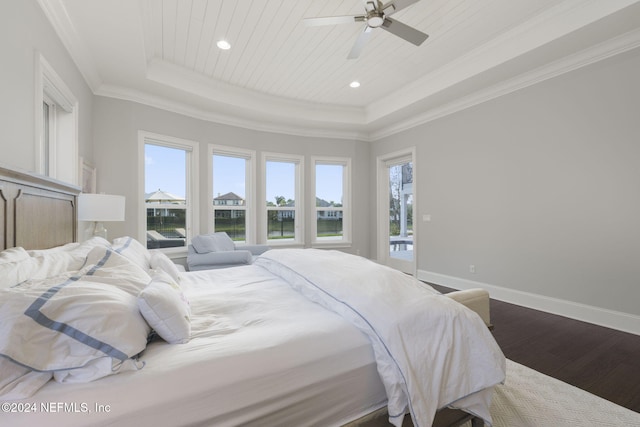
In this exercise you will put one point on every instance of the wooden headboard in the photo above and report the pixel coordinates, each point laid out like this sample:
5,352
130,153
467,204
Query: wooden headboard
36,212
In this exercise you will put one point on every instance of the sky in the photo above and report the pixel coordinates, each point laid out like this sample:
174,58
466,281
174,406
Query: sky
165,170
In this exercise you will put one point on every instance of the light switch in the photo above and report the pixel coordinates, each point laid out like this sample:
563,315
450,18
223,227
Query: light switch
426,217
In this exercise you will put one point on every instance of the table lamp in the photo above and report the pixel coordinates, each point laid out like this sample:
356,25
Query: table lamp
99,208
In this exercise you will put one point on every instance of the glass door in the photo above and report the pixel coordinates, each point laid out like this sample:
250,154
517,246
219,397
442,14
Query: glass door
401,211
396,202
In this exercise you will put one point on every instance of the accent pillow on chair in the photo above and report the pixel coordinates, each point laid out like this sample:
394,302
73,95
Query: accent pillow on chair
214,242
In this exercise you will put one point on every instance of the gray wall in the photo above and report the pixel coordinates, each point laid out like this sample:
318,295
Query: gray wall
117,123
24,30
538,189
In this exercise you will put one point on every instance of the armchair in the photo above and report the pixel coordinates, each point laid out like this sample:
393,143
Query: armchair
217,250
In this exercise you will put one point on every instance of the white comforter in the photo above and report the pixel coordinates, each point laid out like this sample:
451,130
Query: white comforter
431,352
260,355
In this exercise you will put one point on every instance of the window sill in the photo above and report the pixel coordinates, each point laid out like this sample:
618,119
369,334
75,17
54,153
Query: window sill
281,244
174,252
331,244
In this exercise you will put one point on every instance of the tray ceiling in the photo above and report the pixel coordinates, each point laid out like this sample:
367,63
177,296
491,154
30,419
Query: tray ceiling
283,76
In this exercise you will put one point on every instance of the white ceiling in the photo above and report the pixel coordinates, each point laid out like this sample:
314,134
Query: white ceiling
281,75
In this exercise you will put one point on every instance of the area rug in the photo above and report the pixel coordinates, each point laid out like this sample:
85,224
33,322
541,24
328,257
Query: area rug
531,399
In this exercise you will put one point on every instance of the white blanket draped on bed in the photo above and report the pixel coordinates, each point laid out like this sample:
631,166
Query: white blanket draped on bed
431,351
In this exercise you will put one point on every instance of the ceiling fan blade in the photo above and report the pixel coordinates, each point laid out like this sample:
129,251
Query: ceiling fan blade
362,40
332,20
404,31
397,5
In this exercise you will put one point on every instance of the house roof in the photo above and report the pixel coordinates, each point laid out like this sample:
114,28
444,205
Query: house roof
281,75
323,203
228,196
162,196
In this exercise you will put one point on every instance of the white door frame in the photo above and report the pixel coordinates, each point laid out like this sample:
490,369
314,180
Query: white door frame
382,203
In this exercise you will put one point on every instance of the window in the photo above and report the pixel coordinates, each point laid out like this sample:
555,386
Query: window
48,119
170,181
283,195
332,200
56,125
233,172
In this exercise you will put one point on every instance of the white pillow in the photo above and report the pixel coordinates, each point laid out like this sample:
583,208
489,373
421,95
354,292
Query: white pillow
16,266
85,247
63,248
104,265
54,263
215,242
13,255
165,308
134,250
66,323
160,261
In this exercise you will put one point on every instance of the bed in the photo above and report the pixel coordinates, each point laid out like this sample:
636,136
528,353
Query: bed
109,333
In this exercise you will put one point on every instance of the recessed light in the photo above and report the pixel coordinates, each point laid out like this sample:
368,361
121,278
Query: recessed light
223,44
354,84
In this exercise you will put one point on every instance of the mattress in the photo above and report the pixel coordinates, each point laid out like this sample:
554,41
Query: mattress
260,354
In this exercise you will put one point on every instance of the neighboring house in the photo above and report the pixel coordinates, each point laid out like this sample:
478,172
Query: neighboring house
287,214
224,201
228,199
162,203
328,214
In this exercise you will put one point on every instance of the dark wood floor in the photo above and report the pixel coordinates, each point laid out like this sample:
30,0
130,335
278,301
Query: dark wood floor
602,361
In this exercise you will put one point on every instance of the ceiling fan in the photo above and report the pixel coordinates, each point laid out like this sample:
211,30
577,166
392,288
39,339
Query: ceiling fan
376,16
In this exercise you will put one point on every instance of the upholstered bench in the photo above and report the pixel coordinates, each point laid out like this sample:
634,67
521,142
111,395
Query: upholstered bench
217,250
475,299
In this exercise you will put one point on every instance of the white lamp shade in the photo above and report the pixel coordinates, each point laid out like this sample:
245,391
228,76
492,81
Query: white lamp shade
100,207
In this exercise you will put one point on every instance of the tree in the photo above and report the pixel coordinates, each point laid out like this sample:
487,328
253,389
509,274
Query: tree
395,186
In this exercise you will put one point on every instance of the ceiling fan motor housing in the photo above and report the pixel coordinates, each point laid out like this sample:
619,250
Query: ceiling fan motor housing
375,19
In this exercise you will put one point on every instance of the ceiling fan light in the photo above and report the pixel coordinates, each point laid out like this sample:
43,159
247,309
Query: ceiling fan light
223,44
375,21
354,84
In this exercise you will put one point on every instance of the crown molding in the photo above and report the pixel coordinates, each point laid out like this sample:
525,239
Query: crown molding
556,22
254,102
57,15
599,52
262,124
247,109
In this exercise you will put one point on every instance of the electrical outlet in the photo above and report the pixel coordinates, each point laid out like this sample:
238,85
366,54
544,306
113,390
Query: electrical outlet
472,268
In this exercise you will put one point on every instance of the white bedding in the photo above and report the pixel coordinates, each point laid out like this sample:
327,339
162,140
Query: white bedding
431,352
302,337
259,355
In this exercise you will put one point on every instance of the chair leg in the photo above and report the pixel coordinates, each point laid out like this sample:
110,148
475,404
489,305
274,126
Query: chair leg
477,422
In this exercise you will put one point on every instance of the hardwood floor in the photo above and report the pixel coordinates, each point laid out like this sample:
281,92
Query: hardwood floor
602,361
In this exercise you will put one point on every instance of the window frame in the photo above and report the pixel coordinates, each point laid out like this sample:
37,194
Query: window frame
191,149
46,149
346,240
56,150
250,192
299,227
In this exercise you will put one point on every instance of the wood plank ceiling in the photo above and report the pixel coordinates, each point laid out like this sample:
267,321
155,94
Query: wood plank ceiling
273,52
281,75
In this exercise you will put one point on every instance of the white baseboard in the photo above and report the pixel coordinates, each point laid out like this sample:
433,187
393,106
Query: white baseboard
587,313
